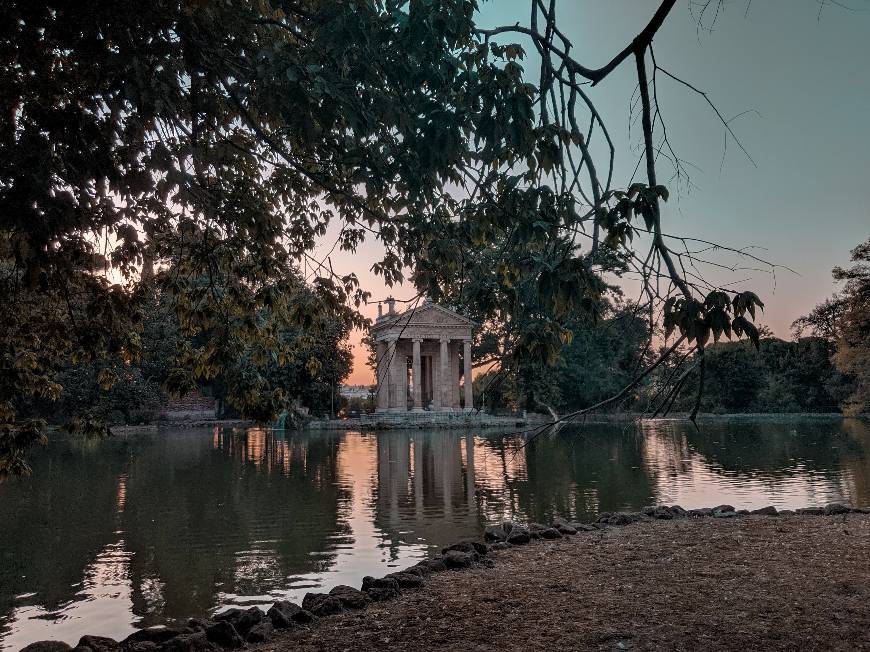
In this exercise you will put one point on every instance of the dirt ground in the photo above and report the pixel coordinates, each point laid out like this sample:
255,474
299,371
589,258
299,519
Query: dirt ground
786,583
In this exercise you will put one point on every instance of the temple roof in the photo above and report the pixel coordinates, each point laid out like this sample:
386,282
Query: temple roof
429,315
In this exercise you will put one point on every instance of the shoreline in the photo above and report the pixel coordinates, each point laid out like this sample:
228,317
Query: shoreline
460,424
639,562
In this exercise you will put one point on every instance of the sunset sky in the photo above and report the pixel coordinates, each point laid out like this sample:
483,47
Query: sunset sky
801,76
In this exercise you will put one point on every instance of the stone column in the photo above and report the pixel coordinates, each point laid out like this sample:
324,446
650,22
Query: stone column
390,364
399,379
383,367
466,366
454,375
435,379
418,377
444,385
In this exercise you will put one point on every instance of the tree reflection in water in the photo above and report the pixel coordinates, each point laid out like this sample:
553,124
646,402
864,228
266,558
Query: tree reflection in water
133,531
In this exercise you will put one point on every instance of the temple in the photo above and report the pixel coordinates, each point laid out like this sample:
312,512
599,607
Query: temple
423,354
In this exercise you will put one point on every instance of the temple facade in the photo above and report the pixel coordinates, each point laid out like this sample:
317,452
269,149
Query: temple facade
423,354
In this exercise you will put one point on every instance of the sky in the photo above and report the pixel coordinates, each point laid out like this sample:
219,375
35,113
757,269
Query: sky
799,77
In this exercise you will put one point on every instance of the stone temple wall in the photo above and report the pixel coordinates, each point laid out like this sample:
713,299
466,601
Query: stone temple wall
192,405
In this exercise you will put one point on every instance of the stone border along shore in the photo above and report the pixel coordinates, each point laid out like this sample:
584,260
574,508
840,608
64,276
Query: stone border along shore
235,628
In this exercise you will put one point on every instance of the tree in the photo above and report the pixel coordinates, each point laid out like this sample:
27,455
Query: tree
853,348
225,136
603,357
844,320
600,358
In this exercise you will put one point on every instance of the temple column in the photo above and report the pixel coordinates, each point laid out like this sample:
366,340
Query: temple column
383,367
418,377
444,385
398,379
466,367
390,364
435,368
454,375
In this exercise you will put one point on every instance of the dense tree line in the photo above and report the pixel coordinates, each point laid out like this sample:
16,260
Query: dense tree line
825,368
780,377
106,391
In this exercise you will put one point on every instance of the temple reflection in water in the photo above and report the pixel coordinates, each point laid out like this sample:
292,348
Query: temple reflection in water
133,531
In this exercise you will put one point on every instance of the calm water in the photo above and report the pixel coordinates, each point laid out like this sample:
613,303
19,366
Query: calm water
112,535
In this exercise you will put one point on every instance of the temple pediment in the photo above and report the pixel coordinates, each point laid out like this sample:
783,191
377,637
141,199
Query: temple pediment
426,316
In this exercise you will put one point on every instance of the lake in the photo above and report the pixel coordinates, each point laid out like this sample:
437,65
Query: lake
121,533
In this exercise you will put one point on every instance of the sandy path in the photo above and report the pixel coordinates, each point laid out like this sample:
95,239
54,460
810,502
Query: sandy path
744,583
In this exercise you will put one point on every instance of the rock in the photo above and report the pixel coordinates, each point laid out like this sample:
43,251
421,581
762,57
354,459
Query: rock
724,514
381,588
550,533
471,547
352,598
138,646
187,643
261,632
98,643
242,619
770,510
230,615
660,512
678,511
156,635
700,513
501,545
380,594
455,559
618,519
811,511
536,527
322,604
370,582
199,623
583,527
222,633
418,569
786,512
407,580
81,648
481,548
742,512
495,533
836,508
435,565
649,510
284,614
518,535
563,527
723,508
46,646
